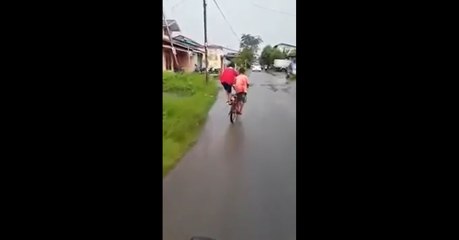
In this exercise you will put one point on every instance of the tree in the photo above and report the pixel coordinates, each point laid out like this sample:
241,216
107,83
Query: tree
245,58
265,53
276,54
285,52
269,54
249,47
250,42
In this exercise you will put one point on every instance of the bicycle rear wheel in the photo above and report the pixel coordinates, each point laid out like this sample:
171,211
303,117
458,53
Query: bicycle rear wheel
232,115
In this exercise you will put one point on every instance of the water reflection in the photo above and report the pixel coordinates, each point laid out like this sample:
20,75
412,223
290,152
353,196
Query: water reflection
234,142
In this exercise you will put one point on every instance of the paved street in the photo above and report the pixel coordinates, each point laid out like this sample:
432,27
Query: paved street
239,181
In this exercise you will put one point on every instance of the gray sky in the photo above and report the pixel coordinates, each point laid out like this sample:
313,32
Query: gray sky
245,16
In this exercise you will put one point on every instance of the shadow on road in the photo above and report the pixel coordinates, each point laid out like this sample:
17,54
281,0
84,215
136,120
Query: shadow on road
234,139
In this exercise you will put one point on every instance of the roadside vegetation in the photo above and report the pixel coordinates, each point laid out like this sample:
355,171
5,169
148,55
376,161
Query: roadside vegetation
186,101
269,54
249,46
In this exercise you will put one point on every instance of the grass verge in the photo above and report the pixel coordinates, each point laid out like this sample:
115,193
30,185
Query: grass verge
186,101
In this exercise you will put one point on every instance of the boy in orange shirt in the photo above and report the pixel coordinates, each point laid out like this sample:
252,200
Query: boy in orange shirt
240,86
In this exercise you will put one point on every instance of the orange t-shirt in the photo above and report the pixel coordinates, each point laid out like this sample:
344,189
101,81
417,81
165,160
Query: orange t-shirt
241,84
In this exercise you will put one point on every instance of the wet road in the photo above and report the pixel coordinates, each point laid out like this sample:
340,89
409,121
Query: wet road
239,181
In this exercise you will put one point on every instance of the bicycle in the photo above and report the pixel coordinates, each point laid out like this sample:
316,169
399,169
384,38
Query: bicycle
235,105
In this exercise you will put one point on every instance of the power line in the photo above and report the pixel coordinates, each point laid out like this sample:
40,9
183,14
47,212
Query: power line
274,10
232,30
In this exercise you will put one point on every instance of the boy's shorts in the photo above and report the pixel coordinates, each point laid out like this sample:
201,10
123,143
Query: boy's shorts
242,97
227,87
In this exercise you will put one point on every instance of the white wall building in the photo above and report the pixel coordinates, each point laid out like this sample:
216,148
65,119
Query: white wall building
284,47
216,53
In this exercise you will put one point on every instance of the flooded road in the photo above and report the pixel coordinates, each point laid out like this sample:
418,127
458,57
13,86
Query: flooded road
239,180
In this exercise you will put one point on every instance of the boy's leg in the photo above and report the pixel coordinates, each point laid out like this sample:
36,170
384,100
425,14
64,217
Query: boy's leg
242,102
228,94
241,105
227,88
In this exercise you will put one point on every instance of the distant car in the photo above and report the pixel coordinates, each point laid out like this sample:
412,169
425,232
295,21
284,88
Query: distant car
256,68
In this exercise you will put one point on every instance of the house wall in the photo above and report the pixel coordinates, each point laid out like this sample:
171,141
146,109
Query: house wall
186,61
168,60
215,57
183,59
200,60
164,60
196,59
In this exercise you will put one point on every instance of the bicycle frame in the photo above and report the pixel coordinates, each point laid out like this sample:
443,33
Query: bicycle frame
235,104
234,108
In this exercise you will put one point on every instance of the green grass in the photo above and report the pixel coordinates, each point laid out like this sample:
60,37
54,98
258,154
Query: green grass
186,101
292,77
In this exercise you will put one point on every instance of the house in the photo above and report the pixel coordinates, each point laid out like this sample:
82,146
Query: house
173,27
217,55
182,59
284,47
228,58
188,53
169,26
195,50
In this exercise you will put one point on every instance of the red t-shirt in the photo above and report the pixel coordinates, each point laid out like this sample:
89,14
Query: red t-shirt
228,76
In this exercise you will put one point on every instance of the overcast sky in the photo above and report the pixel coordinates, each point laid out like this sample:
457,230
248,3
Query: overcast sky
273,20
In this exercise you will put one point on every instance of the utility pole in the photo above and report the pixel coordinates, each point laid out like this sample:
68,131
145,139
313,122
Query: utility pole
205,40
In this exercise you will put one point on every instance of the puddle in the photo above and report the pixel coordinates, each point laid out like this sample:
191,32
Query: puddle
276,87
272,84
273,88
287,90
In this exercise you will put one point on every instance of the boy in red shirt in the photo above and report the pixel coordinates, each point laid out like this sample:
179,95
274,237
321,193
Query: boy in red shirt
227,79
241,85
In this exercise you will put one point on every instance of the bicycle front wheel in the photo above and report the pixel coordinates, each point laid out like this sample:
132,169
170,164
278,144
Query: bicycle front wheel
233,114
